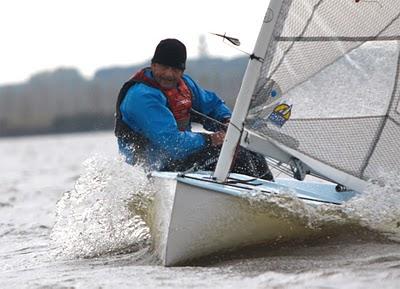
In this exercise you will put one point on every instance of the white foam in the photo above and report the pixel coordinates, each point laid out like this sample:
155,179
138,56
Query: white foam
101,214
378,208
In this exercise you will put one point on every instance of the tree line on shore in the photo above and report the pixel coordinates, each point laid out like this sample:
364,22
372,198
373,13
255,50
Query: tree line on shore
63,100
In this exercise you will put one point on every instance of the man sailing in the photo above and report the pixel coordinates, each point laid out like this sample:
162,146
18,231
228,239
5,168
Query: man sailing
154,112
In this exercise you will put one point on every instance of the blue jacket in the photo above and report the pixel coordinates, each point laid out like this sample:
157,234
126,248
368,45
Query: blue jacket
145,110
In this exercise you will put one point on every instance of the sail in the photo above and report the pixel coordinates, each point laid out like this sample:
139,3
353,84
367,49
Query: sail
332,69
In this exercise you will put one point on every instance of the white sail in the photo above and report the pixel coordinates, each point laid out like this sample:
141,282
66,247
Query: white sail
335,65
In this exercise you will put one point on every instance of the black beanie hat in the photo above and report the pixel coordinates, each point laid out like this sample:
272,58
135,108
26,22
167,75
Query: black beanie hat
170,52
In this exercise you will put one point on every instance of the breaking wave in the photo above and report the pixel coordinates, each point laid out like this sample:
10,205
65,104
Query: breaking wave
378,208
98,216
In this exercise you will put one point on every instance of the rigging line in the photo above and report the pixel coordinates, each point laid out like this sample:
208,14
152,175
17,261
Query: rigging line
251,56
279,166
322,177
239,181
237,128
278,174
217,121
209,118
281,169
197,166
234,42
225,125
234,183
262,190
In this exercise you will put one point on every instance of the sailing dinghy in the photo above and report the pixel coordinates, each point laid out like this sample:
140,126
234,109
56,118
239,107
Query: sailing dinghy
317,98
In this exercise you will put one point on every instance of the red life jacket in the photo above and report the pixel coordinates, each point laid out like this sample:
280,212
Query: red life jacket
179,98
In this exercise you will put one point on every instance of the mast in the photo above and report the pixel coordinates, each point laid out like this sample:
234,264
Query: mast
236,125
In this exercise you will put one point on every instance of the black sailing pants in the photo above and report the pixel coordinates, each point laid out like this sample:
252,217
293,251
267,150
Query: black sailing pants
245,162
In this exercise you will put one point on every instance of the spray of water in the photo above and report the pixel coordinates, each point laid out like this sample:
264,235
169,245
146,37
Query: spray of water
378,208
286,205
375,210
109,210
104,212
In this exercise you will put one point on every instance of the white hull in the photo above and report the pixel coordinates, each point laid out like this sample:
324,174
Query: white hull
199,217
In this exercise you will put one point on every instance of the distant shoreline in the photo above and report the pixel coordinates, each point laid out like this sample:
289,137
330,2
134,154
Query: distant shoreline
64,101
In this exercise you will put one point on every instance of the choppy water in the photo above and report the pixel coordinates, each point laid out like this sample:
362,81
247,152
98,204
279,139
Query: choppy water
65,222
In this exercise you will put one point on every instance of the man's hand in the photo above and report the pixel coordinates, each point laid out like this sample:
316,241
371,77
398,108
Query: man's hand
217,138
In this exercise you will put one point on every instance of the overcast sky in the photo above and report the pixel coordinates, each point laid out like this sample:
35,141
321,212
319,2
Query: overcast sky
38,35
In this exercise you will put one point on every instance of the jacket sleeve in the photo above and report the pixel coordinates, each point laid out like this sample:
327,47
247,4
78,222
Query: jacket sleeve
208,102
145,111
